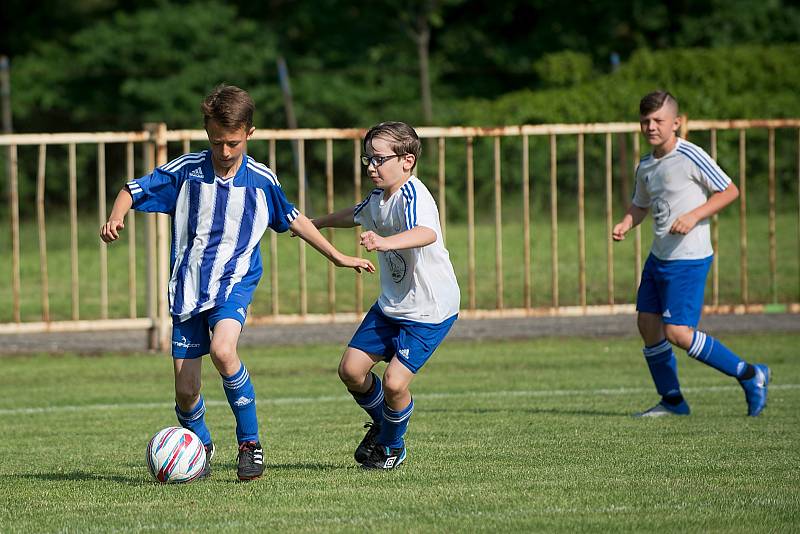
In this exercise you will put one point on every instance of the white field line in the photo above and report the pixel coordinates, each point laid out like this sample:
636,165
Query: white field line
347,398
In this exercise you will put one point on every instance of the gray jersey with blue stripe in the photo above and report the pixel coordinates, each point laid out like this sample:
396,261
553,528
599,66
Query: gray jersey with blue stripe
673,185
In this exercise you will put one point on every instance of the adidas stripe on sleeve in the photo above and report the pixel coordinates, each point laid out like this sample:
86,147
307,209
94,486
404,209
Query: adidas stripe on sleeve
158,191
710,173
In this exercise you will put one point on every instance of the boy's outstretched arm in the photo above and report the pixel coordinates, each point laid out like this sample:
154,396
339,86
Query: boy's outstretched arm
116,221
684,223
419,236
338,219
303,227
632,217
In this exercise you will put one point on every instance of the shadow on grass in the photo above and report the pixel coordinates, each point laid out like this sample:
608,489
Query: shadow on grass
78,476
535,411
309,466
272,468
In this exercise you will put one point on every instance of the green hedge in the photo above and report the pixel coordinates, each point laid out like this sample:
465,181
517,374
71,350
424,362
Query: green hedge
719,83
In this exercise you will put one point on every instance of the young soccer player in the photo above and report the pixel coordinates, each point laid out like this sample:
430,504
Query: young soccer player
683,187
221,202
419,293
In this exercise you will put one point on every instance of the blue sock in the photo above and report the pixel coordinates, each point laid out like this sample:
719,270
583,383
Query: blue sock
242,399
663,368
372,400
711,352
195,420
394,426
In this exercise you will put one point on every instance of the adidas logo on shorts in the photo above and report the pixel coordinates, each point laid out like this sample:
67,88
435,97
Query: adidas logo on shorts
403,353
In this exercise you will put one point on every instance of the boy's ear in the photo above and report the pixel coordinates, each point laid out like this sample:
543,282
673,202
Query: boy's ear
409,160
251,131
678,125
683,126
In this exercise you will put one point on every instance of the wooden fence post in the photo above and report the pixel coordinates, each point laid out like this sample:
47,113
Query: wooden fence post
158,133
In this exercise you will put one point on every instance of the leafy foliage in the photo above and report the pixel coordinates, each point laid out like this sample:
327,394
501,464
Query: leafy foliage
720,83
105,64
150,65
563,69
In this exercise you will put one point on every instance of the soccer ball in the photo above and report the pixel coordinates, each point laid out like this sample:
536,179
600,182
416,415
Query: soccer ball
175,455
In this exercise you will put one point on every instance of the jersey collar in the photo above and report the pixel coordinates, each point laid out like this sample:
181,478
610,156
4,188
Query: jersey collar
209,176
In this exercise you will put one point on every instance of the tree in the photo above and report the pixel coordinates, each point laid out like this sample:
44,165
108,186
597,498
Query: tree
419,18
151,65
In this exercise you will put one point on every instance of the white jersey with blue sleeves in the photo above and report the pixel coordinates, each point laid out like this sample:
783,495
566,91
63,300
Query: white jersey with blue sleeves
217,225
673,185
417,284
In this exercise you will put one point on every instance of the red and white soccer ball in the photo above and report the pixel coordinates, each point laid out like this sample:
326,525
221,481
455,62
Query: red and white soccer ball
175,455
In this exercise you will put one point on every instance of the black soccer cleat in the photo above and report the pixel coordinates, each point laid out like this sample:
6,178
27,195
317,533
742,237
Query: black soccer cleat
251,460
383,457
210,450
367,444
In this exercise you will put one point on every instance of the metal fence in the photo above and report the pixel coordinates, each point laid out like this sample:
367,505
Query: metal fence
152,146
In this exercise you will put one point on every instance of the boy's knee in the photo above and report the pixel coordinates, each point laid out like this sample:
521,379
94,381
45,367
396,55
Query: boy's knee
354,368
394,385
351,374
679,335
650,327
187,395
344,373
649,323
223,353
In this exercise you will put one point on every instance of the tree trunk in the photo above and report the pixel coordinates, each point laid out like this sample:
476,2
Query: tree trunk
423,39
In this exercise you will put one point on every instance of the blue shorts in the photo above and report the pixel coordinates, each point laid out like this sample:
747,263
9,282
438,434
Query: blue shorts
192,337
412,342
674,289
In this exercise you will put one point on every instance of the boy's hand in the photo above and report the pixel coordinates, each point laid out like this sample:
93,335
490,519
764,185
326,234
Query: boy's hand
684,224
110,230
372,241
619,231
354,263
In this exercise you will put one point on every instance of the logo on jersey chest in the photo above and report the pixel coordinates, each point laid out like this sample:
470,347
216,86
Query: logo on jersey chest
397,265
661,211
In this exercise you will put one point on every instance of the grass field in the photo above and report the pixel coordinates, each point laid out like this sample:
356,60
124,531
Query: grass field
512,436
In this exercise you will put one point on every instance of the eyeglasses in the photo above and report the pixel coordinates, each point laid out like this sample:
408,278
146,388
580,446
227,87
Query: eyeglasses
377,161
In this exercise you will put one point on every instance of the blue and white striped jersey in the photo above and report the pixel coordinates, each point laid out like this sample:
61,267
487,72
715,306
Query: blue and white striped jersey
673,185
417,284
217,225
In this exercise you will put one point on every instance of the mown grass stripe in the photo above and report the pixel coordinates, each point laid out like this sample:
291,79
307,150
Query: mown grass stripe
347,398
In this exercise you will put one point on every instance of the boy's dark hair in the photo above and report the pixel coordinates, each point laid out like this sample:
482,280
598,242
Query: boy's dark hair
653,102
401,137
230,106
